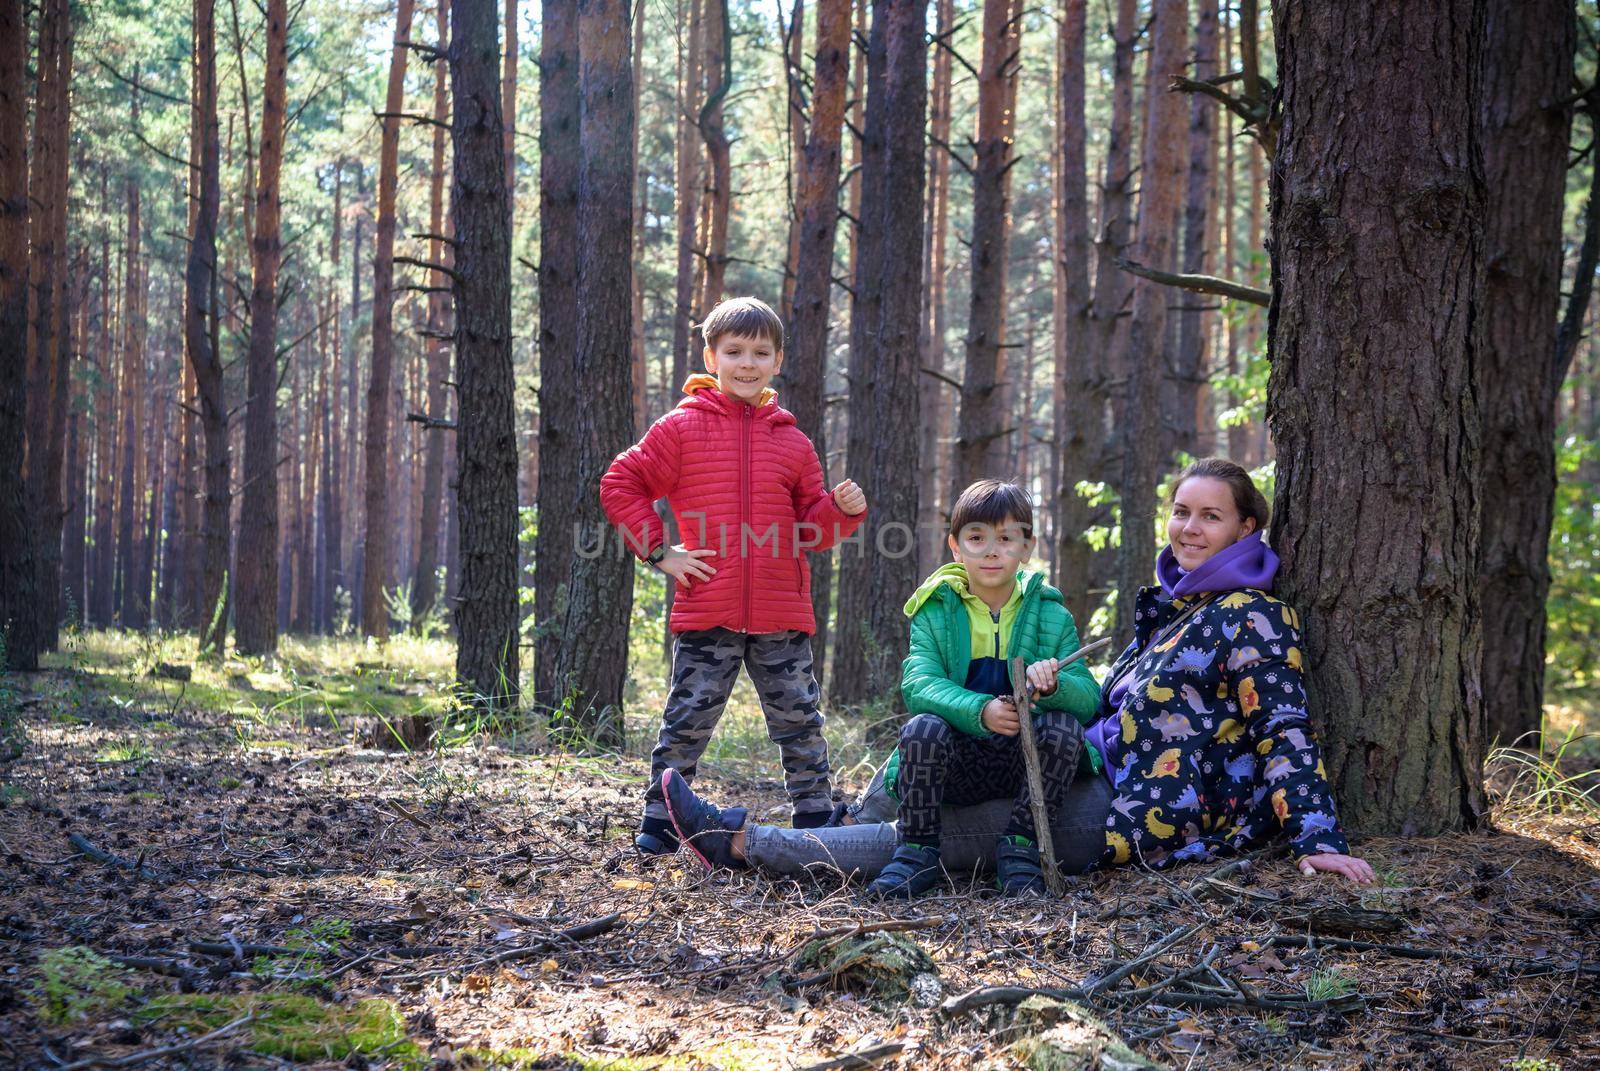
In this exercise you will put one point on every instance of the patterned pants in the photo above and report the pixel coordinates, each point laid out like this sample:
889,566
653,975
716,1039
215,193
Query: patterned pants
942,765
704,667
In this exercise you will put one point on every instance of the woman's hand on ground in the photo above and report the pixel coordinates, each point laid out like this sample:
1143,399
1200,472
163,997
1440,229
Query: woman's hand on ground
1000,716
685,565
1042,676
1357,870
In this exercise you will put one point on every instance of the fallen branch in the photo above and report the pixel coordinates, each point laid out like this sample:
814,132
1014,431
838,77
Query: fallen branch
1023,698
869,1057
1151,953
82,843
511,955
1200,284
146,1055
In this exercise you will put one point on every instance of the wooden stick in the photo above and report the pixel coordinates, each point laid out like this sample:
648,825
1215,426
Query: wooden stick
1030,760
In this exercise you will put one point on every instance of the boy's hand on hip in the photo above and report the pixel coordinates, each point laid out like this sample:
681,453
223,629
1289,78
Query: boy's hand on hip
1042,676
1000,716
851,498
685,566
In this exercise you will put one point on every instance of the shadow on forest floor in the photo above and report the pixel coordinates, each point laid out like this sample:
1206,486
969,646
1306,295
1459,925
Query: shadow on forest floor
265,886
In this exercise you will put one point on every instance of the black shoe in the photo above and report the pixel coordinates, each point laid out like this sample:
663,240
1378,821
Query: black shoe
837,816
706,830
913,871
812,819
1020,875
656,836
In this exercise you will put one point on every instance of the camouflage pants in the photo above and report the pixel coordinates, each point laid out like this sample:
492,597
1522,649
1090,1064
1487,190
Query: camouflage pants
941,765
704,667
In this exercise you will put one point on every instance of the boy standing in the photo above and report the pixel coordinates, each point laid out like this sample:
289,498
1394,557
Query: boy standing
746,488
967,621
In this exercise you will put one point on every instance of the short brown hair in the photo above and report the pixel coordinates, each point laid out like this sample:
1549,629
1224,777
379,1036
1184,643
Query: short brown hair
1247,498
746,317
992,502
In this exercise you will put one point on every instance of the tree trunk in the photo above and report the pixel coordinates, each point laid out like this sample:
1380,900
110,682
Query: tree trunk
641,205
352,551
1160,186
379,540
1378,212
687,179
558,335
333,484
884,335
1527,66
600,597
931,474
134,606
508,103
256,630
18,570
425,587
817,215
1078,396
486,442
1181,396
794,129
718,195
981,446
198,328
103,582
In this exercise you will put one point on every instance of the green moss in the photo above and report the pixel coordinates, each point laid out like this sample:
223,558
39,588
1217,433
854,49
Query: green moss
292,1026
878,964
77,983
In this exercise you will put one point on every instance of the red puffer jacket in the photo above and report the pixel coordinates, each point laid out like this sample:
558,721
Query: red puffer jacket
743,481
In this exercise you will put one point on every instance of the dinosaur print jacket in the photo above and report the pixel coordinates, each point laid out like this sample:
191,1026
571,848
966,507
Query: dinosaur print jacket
1210,749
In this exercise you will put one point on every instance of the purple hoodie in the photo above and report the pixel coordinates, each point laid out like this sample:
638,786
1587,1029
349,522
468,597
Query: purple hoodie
1249,563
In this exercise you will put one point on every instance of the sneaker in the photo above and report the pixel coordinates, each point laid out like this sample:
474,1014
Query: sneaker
706,830
1020,875
913,871
656,836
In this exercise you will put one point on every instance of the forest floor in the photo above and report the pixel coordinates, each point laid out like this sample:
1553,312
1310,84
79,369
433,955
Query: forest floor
224,872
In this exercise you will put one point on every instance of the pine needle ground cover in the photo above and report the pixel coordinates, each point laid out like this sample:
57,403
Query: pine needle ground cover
226,869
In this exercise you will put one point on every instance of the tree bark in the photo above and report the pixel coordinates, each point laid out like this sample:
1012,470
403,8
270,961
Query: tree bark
425,587
103,581
817,213
379,538
199,324
1527,68
884,335
1181,396
256,628
591,674
134,604
1160,184
558,335
932,474
718,196
981,446
794,129
486,440
1078,394
1378,212
18,570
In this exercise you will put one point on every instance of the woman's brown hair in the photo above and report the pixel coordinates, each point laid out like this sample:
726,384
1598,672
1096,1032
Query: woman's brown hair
1247,499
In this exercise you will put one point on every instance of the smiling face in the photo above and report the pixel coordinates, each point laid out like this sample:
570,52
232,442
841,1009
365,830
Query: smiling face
744,365
1204,520
992,553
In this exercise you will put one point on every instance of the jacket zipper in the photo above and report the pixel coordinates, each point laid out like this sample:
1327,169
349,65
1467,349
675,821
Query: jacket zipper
744,512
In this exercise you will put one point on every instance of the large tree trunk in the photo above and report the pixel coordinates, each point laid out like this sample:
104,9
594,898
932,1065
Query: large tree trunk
817,215
884,336
600,597
333,484
558,335
1112,286
380,539
1078,398
1527,65
794,128
18,571
103,581
199,325
1160,184
1181,396
256,630
486,442
981,448
425,587
718,196
1378,212
931,473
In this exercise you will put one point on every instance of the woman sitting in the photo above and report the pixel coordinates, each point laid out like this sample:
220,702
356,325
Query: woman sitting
1203,725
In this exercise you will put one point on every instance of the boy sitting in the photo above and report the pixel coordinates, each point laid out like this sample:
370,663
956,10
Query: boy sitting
961,746
746,488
